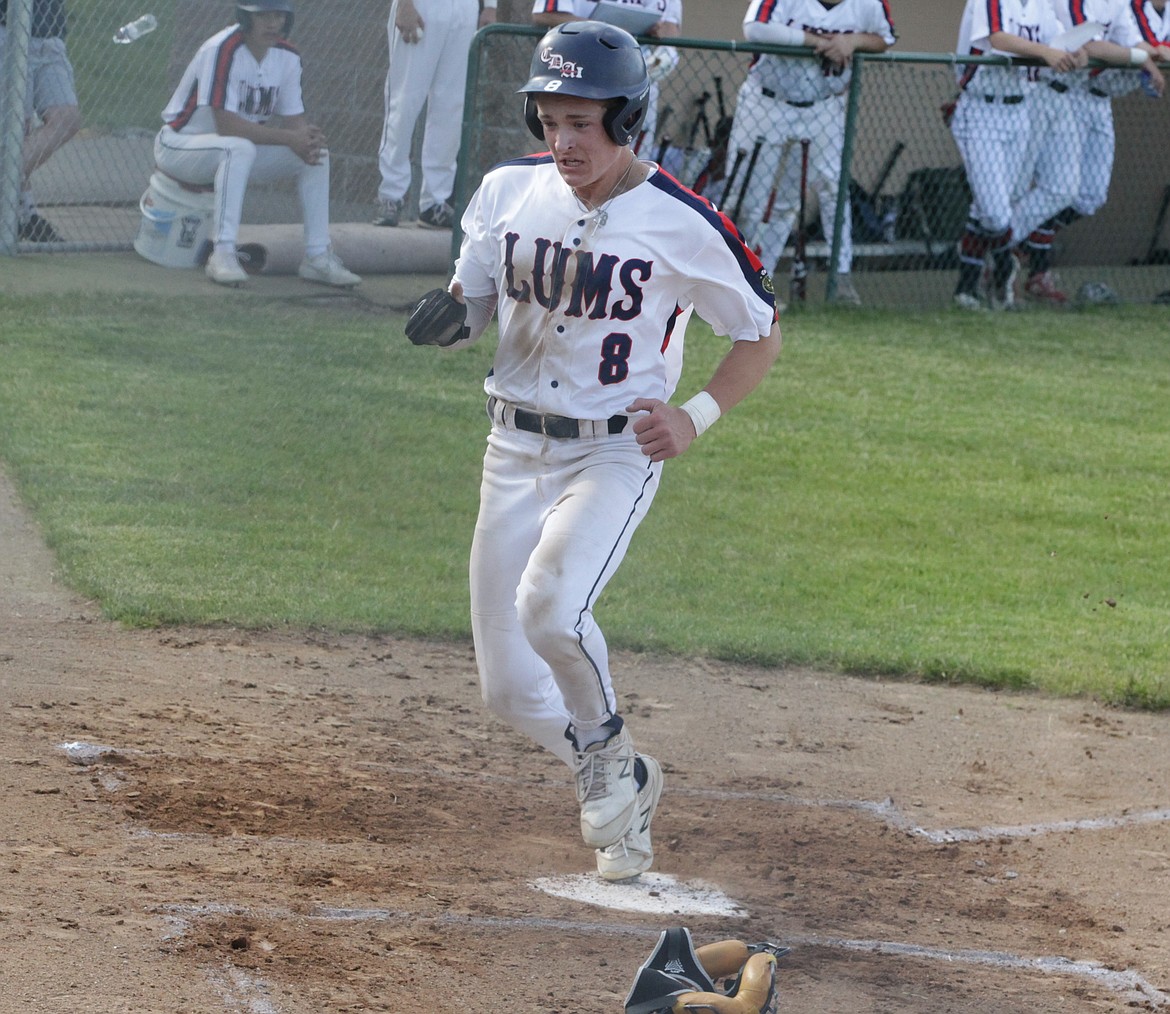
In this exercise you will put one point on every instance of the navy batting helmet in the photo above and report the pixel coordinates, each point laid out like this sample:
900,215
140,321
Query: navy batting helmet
247,8
592,60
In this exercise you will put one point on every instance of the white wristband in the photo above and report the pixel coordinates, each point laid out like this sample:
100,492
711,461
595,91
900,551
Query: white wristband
1138,56
703,410
490,4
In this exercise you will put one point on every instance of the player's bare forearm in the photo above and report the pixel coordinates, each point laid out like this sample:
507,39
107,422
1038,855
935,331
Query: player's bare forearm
1057,59
742,369
305,139
666,431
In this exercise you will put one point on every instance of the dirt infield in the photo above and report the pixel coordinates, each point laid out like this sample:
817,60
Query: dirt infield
219,820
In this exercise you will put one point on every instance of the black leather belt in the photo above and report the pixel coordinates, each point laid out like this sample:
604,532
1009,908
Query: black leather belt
553,425
769,94
1007,100
1058,86
1099,93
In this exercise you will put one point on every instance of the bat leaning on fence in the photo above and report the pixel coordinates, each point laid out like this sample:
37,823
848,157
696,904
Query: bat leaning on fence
797,288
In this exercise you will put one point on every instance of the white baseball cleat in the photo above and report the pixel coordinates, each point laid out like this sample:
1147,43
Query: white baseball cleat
634,854
326,269
967,301
606,789
223,268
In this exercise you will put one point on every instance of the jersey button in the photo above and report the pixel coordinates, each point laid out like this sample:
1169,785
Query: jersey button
555,383
560,329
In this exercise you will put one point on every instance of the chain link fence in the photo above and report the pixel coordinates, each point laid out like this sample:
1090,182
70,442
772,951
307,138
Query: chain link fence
903,201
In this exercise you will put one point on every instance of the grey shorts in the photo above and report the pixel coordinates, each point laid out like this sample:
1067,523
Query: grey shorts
50,75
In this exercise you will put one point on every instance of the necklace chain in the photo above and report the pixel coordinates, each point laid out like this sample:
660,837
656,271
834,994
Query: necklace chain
602,212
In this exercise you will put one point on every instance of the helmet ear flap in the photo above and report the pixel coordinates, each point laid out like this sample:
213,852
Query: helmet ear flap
622,122
532,117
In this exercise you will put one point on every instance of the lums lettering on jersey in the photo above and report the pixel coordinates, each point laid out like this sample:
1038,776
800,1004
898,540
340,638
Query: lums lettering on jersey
591,290
257,101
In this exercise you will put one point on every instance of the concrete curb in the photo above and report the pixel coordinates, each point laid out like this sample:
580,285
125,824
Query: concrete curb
364,249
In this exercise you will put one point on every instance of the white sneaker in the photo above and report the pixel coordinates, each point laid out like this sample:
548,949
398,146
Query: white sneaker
328,270
968,301
223,268
606,790
634,854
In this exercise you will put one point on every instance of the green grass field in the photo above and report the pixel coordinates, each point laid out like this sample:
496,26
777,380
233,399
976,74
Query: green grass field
948,497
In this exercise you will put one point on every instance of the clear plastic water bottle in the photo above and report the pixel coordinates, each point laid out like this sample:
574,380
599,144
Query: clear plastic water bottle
136,29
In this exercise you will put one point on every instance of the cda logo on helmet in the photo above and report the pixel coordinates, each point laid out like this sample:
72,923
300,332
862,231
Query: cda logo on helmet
567,68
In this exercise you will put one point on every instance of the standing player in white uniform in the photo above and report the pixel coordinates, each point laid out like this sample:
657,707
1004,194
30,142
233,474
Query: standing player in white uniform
991,127
217,131
1066,174
660,60
593,261
784,100
429,41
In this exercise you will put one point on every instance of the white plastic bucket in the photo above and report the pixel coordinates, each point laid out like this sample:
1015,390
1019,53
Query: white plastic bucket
176,223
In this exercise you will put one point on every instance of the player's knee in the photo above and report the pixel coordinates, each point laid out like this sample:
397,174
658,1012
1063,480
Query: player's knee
549,624
499,699
63,122
240,150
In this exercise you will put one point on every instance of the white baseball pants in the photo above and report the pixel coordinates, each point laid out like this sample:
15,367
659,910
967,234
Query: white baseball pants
1094,119
989,137
1050,174
555,520
230,163
779,128
432,71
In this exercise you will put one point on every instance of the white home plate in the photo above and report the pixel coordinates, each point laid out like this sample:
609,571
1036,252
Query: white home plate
651,892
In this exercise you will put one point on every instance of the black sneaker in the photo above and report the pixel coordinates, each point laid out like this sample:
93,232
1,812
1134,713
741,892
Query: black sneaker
38,230
437,216
388,213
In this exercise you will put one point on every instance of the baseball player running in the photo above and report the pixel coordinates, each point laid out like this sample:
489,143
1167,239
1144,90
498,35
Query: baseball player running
1067,170
216,130
593,261
991,127
660,60
783,100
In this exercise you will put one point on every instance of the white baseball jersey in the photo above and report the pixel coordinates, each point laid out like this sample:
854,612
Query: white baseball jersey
1153,26
592,304
805,80
1137,21
1029,19
225,75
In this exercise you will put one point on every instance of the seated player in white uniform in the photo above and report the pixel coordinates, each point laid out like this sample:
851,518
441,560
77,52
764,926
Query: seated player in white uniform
217,131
